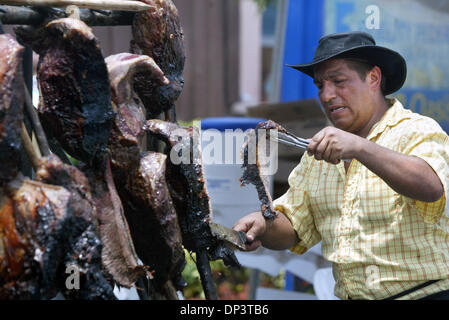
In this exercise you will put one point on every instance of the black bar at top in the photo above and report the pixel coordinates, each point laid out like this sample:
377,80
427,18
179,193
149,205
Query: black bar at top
13,15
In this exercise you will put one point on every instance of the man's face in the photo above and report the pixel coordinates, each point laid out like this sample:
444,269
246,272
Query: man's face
344,96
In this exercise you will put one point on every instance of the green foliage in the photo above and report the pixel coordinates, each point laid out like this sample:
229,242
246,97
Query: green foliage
263,3
232,283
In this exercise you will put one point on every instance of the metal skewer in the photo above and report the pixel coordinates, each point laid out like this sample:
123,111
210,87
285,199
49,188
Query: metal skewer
121,5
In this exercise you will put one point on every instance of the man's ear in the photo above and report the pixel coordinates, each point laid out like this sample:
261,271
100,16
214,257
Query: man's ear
374,78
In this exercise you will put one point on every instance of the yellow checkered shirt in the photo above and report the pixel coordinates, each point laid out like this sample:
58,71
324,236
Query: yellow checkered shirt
380,242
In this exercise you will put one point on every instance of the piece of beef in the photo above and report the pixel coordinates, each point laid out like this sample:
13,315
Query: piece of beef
32,216
140,177
84,253
187,187
75,106
118,255
157,33
11,106
41,225
127,134
254,172
153,221
43,231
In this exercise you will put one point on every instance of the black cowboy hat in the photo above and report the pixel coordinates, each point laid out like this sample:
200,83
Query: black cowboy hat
363,46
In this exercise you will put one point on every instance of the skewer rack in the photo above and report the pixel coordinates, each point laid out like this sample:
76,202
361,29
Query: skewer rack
93,13
37,12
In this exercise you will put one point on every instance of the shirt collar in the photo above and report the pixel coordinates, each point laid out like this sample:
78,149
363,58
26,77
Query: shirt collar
395,114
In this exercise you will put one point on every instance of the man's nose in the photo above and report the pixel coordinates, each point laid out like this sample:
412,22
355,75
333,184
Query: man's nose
327,93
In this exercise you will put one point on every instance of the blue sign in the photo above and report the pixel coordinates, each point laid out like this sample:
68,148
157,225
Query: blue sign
418,31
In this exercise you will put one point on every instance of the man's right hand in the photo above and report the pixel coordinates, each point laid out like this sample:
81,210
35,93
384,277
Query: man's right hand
277,234
254,226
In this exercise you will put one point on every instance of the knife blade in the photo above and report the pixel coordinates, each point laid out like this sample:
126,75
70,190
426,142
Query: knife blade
235,238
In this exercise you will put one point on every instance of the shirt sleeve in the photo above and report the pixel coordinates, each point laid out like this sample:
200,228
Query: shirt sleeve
430,143
295,205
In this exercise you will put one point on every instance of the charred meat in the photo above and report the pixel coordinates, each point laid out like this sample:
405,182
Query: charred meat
140,177
118,255
84,247
187,185
44,231
75,105
157,33
253,170
41,224
76,108
11,106
127,134
154,223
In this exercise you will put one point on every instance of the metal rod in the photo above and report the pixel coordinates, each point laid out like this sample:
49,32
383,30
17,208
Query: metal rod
37,127
122,5
11,15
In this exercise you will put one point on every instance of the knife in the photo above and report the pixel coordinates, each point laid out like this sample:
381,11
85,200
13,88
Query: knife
235,238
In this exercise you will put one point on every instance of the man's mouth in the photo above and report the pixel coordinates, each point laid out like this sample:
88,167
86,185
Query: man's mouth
336,109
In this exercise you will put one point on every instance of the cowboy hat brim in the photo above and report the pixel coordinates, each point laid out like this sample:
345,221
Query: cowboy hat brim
391,63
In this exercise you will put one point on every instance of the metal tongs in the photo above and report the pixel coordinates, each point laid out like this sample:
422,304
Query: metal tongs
290,139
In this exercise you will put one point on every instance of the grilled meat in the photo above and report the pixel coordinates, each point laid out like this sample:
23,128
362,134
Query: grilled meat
41,224
187,186
127,134
157,33
11,106
77,110
32,222
45,231
154,223
118,255
84,248
75,107
141,177
253,170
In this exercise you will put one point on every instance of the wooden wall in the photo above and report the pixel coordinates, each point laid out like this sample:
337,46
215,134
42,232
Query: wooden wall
211,30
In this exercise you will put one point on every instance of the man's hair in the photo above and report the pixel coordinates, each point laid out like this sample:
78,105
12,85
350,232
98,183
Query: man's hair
362,67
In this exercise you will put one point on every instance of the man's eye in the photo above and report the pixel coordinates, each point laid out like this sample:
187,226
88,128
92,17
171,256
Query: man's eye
339,81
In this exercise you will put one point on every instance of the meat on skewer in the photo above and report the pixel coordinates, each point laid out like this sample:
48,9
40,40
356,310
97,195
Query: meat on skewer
158,33
48,228
11,106
43,227
75,106
187,186
76,109
140,177
127,134
254,172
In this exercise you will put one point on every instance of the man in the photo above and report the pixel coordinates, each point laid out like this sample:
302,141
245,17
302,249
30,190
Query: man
372,188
